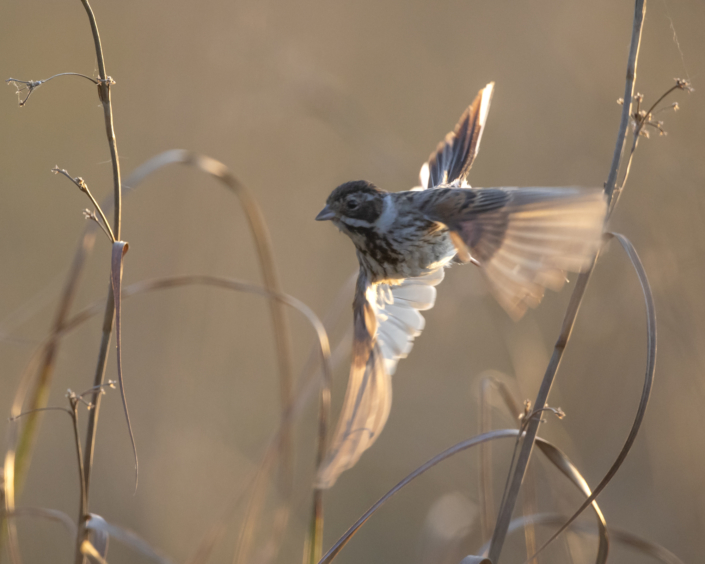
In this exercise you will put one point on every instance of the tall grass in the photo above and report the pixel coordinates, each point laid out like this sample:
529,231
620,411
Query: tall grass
276,468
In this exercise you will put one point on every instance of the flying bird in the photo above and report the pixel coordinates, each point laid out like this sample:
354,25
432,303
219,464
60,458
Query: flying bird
523,240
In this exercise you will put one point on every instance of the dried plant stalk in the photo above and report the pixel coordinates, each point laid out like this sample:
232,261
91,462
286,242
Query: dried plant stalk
505,514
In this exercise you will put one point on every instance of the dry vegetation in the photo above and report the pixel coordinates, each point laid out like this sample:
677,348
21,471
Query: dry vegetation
260,510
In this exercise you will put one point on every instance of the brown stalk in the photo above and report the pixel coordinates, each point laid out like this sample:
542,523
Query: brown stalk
261,237
505,515
495,381
271,282
108,317
41,388
446,454
644,120
52,340
552,453
646,390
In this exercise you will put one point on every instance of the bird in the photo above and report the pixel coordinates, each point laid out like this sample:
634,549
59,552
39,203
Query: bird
522,239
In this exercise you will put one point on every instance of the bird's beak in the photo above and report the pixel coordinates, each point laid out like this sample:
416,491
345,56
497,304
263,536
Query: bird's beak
326,214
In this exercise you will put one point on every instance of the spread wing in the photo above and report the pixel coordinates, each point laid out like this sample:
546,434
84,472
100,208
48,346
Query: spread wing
386,320
524,238
454,155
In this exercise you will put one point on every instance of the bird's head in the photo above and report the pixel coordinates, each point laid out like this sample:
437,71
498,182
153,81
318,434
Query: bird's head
353,206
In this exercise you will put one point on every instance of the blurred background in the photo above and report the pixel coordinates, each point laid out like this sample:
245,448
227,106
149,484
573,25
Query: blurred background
296,98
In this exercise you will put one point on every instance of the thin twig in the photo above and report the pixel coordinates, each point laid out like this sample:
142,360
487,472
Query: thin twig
44,513
108,317
101,389
639,11
74,401
32,85
119,250
91,216
641,120
38,410
505,514
83,187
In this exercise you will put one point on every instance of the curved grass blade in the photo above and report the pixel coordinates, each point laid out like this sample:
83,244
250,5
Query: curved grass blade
119,250
646,390
554,455
48,514
152,285
257,497
270,277
487,507
271,281
139,288
306,392
311,381
619,536
506,510
487,382
157,284
97,524
260,234
559,459
313,545
459,447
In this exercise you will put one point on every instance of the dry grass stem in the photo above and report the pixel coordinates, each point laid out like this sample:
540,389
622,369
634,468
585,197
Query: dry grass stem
31,85
83,187
268,498
507,508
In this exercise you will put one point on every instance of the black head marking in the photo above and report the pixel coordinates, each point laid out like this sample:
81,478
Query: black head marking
358,199
354,187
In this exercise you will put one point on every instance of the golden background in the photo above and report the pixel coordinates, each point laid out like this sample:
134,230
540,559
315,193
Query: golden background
296,98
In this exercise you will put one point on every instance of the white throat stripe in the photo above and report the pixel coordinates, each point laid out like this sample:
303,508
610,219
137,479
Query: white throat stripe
389,214
355,222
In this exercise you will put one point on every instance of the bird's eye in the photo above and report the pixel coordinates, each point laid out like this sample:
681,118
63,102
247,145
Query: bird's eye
352,204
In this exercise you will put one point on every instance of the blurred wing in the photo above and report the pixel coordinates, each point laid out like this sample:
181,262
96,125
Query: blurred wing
524,238
454,155
386,320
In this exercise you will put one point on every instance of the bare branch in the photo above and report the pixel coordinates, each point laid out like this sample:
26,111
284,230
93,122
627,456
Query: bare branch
641,119
83,187
91,216
31,85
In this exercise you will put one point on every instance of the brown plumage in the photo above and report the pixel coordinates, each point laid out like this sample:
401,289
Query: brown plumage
524,239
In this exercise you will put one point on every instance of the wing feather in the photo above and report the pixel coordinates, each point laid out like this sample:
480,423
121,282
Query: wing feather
454,156
386,321
524,238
